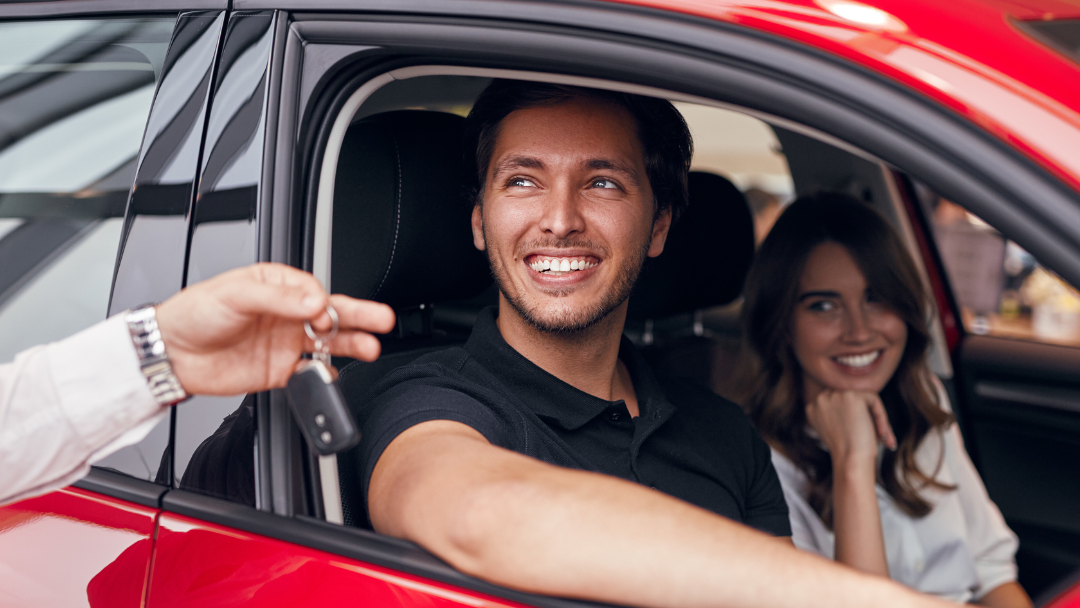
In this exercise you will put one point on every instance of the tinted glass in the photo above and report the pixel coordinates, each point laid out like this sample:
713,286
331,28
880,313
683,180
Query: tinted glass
1001,289
74,99
1063,35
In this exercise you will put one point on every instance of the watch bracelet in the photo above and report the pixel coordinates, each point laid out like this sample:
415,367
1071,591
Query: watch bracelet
153,360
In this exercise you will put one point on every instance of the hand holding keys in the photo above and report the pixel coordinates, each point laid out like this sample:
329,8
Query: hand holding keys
316,400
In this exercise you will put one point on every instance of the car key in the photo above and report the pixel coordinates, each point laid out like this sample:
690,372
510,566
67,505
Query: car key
316,400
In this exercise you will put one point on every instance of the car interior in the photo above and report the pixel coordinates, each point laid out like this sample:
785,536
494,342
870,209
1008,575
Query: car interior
399,206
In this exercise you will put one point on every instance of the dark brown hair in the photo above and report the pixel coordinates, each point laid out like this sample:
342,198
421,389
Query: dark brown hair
773,389
663,133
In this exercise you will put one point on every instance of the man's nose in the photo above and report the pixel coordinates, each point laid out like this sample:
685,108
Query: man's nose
562,213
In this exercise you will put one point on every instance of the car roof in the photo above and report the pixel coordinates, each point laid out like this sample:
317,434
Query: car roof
971,55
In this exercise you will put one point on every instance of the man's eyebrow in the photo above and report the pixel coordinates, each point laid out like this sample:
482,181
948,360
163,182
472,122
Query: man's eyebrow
607,164
818,294
516,162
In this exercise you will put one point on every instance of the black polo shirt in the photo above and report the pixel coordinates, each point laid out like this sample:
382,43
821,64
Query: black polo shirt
687,441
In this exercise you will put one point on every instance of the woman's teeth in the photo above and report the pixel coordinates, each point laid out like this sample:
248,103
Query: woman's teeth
859,360
560,265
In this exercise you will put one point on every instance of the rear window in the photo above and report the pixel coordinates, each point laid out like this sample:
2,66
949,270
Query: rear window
1062,35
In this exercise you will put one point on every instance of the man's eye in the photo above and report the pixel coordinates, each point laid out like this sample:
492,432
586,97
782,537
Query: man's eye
604,183
520,182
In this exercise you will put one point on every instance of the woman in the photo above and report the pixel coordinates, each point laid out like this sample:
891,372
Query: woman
872,466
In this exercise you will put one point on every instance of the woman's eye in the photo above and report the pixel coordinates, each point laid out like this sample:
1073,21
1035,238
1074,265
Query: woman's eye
822,306
520,182
604,183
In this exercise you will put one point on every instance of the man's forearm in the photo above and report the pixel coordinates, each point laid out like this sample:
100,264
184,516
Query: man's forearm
524,524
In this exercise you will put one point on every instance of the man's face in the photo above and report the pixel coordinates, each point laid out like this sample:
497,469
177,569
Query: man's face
567,214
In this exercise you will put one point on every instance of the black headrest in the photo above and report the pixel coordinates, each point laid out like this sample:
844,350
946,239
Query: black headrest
706,257
401,230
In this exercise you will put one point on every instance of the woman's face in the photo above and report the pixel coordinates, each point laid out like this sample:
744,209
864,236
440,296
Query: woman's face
843,336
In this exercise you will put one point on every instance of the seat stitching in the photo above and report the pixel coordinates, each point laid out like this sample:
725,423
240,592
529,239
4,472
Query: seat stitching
397,219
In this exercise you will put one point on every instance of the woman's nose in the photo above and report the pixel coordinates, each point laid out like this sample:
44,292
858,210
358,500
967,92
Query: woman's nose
857,325
562,213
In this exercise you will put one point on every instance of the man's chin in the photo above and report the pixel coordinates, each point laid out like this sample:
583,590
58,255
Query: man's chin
562,319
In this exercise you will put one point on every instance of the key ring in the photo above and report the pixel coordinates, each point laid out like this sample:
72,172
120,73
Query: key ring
322,343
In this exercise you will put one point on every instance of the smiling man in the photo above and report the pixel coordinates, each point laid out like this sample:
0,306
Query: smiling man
545,455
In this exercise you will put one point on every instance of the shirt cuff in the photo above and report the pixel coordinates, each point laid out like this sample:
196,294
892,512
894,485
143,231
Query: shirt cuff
100,386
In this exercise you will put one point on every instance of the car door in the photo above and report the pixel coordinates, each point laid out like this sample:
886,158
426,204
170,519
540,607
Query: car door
269,133
1016,359
75,96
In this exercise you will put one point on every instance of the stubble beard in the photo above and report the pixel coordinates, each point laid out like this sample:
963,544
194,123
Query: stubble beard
568,319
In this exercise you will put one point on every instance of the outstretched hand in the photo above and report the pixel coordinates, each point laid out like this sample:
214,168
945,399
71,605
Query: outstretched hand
243,330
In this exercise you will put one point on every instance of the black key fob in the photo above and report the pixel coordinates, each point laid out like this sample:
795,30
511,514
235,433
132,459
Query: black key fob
321,411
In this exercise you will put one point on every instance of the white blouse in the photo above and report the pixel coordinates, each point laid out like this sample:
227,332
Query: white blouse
960,551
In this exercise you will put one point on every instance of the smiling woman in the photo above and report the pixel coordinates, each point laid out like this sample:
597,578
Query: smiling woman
835,325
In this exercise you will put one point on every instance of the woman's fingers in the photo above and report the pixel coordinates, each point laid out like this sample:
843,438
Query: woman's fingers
881,421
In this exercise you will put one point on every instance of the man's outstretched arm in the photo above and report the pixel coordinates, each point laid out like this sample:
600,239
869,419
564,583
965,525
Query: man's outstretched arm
525,524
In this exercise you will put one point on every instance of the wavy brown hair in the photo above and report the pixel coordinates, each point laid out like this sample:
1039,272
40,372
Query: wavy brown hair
772,379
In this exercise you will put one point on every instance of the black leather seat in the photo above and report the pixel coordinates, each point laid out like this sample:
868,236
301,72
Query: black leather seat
704,265
401,235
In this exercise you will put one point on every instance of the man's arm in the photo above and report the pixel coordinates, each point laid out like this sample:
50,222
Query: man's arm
525,524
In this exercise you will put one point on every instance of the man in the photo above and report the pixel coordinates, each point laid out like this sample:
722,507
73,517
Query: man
68,404
525,458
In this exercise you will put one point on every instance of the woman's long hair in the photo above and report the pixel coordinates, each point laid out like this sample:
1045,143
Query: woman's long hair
772,379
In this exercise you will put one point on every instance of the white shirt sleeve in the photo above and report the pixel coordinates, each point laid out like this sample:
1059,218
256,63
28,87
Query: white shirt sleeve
993,545
65,405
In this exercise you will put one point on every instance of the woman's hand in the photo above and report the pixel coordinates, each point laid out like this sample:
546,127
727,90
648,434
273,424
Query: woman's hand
850,423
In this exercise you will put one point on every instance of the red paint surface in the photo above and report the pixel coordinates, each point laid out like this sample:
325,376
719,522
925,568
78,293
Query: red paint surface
74,548
205,565
967,54
1068,599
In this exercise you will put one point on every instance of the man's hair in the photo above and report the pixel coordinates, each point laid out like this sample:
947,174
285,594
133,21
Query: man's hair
664,136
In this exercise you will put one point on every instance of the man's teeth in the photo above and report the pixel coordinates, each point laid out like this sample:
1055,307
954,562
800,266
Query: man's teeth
859,360
560,265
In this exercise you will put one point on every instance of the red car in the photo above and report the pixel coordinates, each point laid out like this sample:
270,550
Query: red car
145,147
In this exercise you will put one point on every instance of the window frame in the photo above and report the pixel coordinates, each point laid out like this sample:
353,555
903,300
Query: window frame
327,56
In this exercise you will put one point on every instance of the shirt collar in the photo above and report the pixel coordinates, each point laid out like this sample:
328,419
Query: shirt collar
548,396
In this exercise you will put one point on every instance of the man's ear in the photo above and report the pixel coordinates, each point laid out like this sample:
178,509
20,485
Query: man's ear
659,233
478,228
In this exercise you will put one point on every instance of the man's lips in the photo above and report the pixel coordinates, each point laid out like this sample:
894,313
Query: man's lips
560,265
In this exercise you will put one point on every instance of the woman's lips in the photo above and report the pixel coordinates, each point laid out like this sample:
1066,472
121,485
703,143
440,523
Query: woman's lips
859,363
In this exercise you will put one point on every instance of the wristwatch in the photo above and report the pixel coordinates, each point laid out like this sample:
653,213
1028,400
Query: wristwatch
153,361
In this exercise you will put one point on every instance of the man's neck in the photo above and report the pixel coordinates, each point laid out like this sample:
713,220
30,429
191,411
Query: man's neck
587,360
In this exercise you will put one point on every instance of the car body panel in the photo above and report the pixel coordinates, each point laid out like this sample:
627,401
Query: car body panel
202,564
75,548
966,54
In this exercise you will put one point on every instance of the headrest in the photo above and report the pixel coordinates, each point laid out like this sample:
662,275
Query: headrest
706,256
401,230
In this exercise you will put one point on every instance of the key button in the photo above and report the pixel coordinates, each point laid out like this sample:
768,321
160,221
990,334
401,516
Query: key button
320,420
326,436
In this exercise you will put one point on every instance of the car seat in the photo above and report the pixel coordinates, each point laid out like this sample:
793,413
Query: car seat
704,265
401,235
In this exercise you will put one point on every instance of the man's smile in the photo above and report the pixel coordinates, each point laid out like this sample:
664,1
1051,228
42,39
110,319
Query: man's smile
556,265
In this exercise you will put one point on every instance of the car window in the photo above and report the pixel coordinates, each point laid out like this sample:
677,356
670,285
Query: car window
74,99
1000,288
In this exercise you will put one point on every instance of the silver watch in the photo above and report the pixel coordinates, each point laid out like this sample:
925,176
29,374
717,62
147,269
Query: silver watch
153,361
